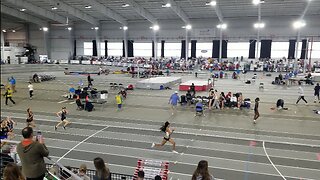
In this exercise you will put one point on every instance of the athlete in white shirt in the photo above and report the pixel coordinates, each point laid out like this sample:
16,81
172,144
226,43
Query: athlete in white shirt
301,94
30,86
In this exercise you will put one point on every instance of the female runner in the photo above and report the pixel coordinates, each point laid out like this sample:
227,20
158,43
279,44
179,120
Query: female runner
30,122
63,117
166,129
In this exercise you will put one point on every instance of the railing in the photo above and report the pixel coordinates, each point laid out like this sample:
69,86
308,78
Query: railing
57,171
62,172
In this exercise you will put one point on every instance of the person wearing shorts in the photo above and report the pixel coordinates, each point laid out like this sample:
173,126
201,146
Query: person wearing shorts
256,110
63,117
167,137
174,99
30,122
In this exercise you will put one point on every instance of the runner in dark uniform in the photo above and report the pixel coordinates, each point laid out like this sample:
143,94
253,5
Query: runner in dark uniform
256,110
30,121
63,117
166,129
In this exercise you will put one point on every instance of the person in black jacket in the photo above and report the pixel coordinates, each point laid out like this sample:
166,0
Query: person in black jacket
316,93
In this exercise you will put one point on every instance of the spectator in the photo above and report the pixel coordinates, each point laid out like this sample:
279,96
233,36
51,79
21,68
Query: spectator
102,172
12,82
188,97
30,86
35,78
5,157
32,151
72,91
141,175
8,95
119,100
202,172
316,93
193,89
83,172
12,172
301,94
174,99
157,177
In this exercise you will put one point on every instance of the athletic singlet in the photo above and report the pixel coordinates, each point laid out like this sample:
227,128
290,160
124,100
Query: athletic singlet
63,115
167,136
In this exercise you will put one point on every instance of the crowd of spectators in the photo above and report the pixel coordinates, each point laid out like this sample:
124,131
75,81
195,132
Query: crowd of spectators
211,64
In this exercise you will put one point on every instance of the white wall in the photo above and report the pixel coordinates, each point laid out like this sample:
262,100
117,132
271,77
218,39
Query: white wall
279,29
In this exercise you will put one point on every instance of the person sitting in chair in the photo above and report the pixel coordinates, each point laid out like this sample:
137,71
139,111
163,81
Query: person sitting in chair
189,97
80,106
199,108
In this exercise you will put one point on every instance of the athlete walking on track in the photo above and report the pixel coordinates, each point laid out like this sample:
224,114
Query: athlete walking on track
167,137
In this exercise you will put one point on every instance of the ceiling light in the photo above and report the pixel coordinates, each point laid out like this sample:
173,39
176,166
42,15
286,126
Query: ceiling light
155,27
13,31
256,2
54,8
88,7
3,30
259,25
96,28
124,28
22,9
166,5
299,24
187,27
45,29
222,26
212,3
69,28
125,5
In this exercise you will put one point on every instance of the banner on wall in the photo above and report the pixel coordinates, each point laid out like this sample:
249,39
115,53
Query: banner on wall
204,32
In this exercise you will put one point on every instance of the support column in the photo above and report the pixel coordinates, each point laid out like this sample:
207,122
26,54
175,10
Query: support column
297,49
258,34
220,46
2,46
162,48
187,45
155,45
125,39
71,41
27,32
258,44
97,35
47,43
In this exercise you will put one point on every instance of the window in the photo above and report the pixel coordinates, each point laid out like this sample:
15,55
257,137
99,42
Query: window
142,49
279,49
102,49
87,48
315,53
172,49
203,49
115,48
238,49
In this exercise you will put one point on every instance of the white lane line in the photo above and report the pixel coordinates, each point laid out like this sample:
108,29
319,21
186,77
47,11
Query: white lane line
196,134
124,118
182,145
62,101
286,118
183,163
82,142
72,102
118,165
265,151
